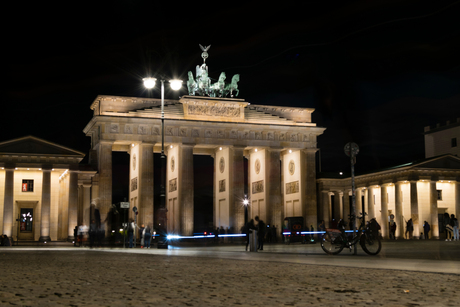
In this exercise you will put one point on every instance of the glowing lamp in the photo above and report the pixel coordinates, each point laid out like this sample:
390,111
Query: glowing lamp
175,84
149,82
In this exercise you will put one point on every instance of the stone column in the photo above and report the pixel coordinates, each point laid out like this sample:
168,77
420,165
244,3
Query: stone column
186,189
336,205
434,210
384,208
237,187
145,198
86,204
45,206
346,206
370,203
414,209
273,177
8,201
326,208
105,182
457,200
73,204
308,161
400,224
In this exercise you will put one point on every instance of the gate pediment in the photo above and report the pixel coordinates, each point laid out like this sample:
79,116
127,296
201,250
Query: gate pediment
213,109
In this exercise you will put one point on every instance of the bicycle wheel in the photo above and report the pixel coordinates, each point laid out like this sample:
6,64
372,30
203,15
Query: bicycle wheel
331,246
370,243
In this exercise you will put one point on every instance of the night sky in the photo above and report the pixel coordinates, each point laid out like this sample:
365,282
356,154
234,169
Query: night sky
377,72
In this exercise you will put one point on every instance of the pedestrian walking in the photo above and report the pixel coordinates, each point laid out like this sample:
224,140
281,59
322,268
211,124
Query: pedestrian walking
260,233
426,229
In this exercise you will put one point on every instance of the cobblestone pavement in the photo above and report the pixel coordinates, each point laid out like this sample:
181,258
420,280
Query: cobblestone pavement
86,277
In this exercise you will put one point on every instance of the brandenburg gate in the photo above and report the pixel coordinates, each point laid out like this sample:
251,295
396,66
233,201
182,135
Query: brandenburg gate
279,142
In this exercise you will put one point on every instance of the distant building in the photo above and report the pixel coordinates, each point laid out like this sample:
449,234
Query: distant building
442,140
40,185
421,190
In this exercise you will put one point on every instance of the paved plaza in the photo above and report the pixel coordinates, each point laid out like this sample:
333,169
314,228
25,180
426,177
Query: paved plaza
406,273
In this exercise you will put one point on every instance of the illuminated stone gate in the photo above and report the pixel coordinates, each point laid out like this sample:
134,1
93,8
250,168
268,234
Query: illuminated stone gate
279,143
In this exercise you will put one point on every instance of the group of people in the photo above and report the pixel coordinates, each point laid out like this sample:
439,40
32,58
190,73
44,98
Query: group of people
450,224
4,240
260,227
145,234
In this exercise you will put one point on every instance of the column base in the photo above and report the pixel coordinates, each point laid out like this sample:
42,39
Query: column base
70,238
44,239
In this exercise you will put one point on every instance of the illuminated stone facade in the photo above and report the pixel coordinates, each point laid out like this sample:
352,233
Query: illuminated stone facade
44,193
422,191
272,138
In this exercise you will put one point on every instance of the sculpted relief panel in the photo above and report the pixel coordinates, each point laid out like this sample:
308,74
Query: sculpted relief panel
292,187
215,110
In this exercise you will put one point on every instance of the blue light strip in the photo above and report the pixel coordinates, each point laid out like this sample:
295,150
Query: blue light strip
286,233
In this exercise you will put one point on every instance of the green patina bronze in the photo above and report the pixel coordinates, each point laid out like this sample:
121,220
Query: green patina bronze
203,85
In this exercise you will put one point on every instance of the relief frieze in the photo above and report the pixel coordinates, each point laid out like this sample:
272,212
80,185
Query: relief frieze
292,187
173,185
142,130
222,185
215,110
134,184
128,129
258,187
195,133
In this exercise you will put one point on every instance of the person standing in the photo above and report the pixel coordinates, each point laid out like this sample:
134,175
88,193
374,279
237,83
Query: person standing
92,233
321,229
446,224
454,224
392,227
131,228
247,229
426,229
409,229
147,236
260,233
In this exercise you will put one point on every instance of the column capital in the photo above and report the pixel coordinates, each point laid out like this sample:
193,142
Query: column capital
187,144
309,150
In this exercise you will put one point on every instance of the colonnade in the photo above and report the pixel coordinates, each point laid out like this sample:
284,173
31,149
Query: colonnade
421,200
279,179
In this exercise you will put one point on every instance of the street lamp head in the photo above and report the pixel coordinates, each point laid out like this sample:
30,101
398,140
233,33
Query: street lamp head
149,82
175,84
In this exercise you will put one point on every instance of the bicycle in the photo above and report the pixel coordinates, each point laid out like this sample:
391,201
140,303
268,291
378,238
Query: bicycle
335,240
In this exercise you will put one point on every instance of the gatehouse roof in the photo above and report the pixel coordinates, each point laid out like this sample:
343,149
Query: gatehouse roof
202,108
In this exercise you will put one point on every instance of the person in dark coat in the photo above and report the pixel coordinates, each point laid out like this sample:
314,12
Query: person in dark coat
5,240
147,236
426,229
260,233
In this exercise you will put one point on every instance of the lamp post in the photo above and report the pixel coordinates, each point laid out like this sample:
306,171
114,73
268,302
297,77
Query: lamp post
245,203
149,83
351,150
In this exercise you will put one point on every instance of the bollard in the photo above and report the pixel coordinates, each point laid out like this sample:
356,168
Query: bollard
253,241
